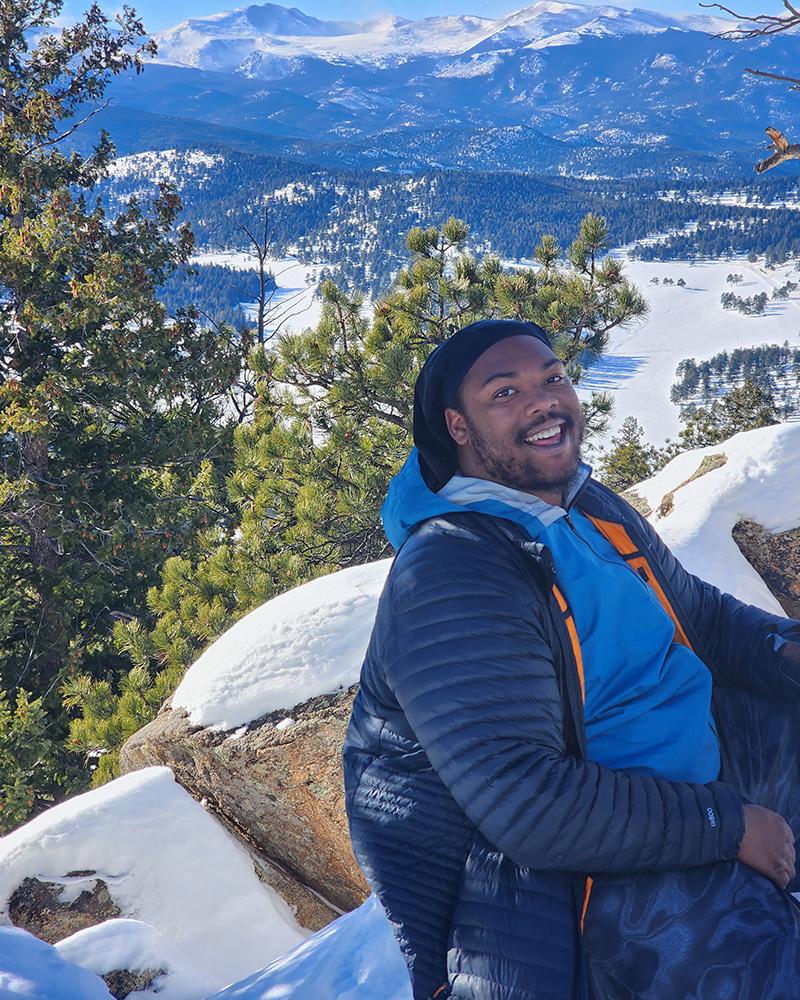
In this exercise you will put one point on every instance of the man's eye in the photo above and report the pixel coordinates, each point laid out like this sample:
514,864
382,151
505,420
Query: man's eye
503,393
556,379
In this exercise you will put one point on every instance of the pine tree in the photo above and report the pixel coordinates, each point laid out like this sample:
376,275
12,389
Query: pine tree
744,408
630,460
332,424
108,407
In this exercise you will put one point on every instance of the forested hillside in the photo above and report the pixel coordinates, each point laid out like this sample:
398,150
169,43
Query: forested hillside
354,221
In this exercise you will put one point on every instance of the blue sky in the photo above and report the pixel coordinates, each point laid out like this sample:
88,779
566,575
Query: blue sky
160,14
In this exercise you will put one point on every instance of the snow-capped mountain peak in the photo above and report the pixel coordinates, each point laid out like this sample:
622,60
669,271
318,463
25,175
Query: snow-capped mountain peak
268,39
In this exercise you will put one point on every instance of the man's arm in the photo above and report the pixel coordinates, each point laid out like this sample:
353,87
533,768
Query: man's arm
470,661
745,646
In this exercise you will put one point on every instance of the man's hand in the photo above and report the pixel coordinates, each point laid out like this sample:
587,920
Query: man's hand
791,652
768,845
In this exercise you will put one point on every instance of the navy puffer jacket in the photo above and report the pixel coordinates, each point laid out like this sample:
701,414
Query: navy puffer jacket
473,811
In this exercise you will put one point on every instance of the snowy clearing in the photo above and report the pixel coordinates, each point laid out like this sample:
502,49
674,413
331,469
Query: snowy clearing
638,368
294,305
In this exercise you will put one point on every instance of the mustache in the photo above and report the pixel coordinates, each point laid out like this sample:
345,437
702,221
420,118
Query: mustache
567,419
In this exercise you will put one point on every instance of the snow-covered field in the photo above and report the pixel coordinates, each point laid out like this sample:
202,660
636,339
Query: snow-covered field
638,368
294,304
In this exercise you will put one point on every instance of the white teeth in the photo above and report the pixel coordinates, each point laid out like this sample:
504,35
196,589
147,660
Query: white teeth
545,434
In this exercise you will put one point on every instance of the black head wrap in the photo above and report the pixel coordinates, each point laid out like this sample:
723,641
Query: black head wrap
438,384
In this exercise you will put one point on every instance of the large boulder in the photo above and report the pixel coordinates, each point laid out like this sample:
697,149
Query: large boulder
255,732
277,785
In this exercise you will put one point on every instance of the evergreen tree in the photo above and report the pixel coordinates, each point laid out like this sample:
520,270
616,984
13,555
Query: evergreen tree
630,459
742,409
108,407
332,424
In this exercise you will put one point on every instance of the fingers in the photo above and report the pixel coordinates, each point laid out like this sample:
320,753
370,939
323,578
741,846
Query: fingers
786,866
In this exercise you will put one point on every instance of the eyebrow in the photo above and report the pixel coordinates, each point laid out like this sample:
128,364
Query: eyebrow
545,366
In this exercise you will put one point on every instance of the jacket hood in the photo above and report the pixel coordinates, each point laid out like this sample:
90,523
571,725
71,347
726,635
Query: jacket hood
409,501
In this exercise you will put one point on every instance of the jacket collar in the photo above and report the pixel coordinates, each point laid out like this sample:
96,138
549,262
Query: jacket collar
409,502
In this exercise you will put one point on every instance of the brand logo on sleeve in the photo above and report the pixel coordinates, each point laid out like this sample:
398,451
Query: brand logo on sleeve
712,819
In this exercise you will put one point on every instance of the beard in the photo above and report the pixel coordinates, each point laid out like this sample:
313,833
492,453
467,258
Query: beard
528,472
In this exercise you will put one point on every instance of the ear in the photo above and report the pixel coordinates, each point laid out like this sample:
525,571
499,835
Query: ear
456,426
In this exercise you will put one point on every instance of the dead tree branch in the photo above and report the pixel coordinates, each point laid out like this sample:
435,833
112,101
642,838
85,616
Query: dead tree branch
762,24
784,150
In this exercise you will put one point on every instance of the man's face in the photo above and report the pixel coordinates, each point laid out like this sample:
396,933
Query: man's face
519,422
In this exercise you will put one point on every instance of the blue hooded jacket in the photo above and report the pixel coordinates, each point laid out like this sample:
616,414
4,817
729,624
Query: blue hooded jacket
647,698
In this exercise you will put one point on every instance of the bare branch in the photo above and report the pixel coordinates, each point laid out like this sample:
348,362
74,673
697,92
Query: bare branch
783,151
775,76
764,24
57,138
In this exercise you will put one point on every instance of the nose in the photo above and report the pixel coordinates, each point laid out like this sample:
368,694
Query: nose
540,400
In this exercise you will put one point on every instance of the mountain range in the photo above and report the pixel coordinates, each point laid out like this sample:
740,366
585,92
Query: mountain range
556,87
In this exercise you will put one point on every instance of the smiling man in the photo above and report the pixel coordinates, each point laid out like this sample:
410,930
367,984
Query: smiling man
569,760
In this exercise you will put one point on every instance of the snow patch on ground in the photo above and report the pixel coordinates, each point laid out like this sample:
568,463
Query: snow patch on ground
307,642
167,862
354,958
760,481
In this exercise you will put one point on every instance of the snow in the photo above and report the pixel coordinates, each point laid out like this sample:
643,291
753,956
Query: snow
166,862
273,47
31,968
137,947
354,958
294,305
306,642
638,367
760,481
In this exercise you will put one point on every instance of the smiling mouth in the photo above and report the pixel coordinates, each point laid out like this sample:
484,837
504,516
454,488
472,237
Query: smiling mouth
547,437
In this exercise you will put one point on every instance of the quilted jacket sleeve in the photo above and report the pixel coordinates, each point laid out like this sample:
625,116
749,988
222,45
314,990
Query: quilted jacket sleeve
738,639
469,660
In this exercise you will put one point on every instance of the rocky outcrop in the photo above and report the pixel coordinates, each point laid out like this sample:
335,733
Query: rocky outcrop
122,982
44,909
276,784
776,559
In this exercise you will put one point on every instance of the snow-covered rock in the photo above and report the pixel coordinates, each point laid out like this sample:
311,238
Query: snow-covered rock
307,642
165,862
134,951
282,785
226,736
696,501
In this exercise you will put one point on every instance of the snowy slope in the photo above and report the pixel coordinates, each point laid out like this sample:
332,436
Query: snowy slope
167,863
760,481
306,642
638,368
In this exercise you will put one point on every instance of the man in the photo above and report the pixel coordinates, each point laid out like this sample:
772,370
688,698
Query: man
565,753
